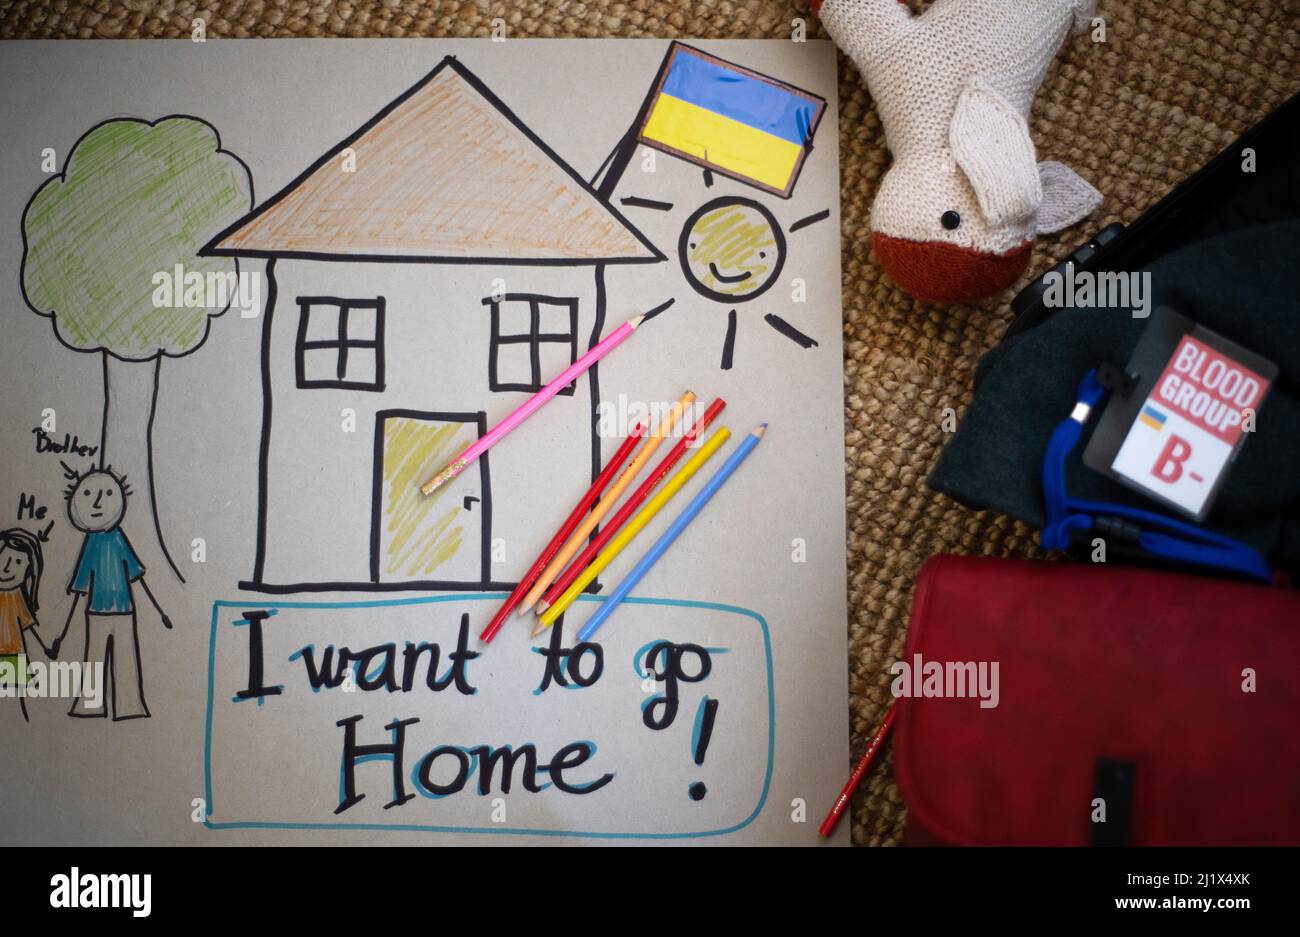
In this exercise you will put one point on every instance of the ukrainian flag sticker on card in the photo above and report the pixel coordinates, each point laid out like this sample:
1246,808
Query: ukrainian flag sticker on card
1174,434
730,119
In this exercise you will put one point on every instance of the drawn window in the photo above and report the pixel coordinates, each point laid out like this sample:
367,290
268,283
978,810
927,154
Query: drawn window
340,343
533,339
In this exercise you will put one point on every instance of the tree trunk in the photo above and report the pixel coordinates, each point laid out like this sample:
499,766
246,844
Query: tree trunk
130,390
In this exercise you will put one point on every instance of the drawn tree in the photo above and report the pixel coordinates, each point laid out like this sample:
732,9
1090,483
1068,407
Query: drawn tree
135,198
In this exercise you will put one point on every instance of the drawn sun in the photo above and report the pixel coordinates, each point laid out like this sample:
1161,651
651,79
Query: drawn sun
731,250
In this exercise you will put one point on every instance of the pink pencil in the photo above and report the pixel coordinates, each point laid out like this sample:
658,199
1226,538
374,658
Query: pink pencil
531,405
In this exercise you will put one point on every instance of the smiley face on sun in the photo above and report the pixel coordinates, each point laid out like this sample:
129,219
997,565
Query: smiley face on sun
731,249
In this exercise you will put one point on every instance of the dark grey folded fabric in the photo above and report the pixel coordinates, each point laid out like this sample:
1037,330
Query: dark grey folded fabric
1245,285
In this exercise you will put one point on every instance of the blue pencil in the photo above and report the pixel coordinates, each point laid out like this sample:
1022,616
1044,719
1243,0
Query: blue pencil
672,533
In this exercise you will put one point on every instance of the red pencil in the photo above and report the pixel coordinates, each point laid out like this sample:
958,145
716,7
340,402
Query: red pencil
864,765
583,559
562,535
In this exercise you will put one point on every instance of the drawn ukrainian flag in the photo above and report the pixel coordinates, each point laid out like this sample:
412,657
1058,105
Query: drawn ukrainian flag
1152,417
733,120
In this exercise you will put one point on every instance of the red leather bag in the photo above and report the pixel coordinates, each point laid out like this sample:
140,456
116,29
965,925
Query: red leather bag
1122,684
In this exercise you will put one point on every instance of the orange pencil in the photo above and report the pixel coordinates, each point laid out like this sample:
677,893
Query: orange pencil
571,522
635,526
628,507
598,513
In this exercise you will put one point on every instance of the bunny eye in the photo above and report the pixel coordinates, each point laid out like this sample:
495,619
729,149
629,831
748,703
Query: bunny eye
950,220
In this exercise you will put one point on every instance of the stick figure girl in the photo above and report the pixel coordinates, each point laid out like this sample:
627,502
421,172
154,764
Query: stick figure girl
21,564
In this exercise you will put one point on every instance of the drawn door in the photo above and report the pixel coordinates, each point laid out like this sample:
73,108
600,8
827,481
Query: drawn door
438,540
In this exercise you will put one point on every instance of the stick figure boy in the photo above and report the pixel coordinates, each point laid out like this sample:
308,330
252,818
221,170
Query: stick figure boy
107,566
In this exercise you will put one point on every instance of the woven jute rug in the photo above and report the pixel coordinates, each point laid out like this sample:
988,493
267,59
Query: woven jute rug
1175,82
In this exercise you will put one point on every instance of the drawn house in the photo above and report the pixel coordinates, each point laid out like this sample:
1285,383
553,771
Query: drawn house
435,267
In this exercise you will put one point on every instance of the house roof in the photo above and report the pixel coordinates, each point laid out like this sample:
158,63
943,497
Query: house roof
445,173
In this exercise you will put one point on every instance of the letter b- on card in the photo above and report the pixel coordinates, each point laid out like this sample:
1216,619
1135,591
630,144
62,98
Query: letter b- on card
1195,401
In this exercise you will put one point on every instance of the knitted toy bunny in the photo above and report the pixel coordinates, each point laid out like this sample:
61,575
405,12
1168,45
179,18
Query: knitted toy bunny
957,212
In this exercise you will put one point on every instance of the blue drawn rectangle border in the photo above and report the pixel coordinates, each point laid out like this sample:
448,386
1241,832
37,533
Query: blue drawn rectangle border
498,830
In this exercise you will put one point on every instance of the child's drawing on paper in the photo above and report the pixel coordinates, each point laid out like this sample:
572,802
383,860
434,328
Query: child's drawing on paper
111,257
432,248
106,568
21,564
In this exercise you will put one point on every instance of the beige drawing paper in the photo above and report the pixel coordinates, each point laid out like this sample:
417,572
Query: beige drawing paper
256,292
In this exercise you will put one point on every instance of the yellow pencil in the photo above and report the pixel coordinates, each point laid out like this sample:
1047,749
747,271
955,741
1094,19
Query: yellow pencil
643,517
607,501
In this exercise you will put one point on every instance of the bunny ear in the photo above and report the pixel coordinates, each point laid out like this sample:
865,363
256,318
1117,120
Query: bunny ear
1067,197
990,141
